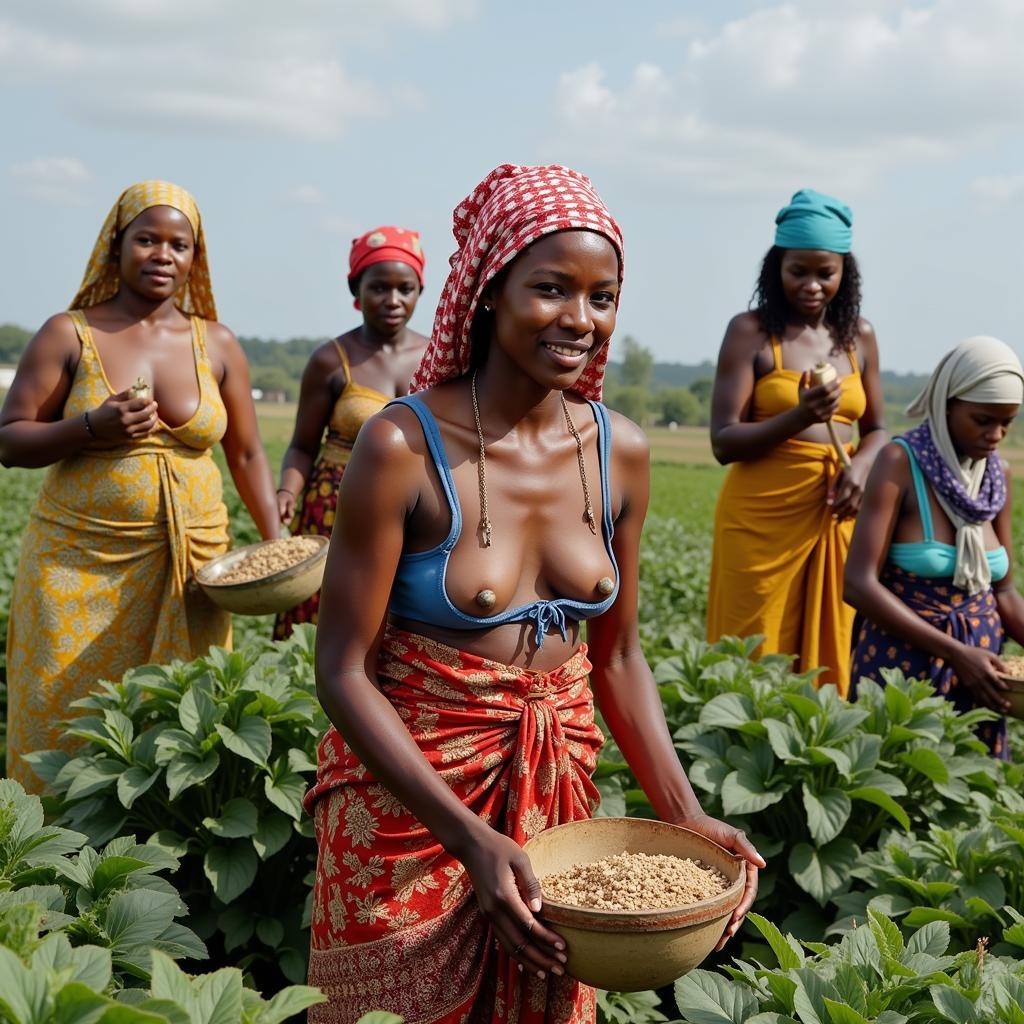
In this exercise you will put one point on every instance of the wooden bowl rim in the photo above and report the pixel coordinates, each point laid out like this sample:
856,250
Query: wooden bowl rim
281,576
661,919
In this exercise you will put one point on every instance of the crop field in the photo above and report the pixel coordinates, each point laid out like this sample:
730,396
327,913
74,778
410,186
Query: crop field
895,845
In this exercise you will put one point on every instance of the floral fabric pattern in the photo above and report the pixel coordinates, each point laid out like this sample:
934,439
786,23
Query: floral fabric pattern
395,921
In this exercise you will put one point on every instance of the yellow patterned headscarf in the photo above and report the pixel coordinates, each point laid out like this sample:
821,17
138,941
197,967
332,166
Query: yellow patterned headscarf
102,276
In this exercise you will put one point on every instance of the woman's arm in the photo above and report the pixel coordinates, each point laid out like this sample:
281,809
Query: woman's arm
316,400
624,687
378,493
887,484
247,461
1011,604
33,432
847,490
734,437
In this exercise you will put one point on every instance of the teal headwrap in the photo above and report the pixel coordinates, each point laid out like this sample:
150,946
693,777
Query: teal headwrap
814,221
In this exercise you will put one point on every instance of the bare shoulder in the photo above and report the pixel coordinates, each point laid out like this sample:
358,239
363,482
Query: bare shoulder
325,357
892,463
629,441
745,329
58,332
221,339
393,438
867,341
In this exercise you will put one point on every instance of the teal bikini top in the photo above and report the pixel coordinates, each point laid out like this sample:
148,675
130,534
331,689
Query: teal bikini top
419,591
931,558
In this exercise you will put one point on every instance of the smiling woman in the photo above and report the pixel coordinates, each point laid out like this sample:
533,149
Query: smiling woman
131,504
450,658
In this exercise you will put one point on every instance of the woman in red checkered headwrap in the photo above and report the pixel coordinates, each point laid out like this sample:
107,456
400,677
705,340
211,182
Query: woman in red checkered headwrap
481,519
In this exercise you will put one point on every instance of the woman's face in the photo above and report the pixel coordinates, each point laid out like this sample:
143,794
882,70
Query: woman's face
810,279
554,309
156,253
387,294
977,429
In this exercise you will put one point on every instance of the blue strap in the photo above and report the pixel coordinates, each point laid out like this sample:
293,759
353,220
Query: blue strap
432,434
923,504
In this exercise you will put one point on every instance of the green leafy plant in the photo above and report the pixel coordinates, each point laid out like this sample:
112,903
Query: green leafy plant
210,759
873,976
114,900
971,878
628,1008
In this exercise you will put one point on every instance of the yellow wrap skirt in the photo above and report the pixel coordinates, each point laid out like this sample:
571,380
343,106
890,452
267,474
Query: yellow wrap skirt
778,559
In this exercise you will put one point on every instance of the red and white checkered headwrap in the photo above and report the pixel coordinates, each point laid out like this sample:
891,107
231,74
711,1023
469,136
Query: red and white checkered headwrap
510,209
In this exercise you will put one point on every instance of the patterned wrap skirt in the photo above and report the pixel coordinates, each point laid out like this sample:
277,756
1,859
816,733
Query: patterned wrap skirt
396,924
971,619
315,518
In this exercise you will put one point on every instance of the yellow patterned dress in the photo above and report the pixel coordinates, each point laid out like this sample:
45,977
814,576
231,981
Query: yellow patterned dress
103,583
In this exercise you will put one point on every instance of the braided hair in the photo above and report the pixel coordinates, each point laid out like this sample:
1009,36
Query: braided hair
842,314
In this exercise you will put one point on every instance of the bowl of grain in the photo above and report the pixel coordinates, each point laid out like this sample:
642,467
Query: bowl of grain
1014,679
265,578
638,902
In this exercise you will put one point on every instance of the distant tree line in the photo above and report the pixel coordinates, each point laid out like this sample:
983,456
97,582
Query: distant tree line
646,391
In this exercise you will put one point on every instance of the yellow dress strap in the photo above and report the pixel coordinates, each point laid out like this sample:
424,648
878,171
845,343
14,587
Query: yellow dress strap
199,336
851,354
343,357
776,353
82,328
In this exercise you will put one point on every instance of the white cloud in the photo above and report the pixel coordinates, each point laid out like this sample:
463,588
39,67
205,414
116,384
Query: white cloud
805,92
58,179
998,189
307,195
239,66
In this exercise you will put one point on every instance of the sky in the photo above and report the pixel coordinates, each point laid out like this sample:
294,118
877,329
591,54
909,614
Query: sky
299,125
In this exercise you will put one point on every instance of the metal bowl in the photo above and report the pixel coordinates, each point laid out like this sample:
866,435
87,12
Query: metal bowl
626,950
270,594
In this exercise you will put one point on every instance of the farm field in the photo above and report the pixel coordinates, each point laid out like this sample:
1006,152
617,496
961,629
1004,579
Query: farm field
882,813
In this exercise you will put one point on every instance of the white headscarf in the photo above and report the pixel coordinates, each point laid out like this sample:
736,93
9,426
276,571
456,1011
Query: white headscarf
984,370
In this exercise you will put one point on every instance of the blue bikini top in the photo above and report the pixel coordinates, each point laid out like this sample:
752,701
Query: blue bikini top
419,592
931,558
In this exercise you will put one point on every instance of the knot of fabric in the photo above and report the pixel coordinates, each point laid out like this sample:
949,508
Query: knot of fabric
547,614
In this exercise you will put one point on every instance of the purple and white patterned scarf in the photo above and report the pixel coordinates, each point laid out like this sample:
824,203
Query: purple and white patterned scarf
990,498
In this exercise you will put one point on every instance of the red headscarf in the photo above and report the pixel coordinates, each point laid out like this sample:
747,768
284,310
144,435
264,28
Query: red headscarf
385,244
511,208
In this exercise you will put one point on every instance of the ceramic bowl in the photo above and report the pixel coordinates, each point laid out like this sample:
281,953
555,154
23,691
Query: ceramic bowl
629,951
268,595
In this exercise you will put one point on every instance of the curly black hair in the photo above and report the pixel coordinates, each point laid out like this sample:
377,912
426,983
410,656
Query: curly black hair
842,314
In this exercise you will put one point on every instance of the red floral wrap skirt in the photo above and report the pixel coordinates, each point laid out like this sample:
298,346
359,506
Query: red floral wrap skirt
396,924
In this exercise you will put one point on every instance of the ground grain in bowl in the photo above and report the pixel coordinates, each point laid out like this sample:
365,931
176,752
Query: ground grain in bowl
1014,666
274,556
635,881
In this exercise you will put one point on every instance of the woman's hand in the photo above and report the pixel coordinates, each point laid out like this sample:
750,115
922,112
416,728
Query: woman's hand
285,505
978,670
510,896
846,491
818,404
124,418
734,840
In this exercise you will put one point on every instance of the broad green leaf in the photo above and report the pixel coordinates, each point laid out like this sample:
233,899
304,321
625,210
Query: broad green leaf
727,711
238,818
293,1000
169,841
811,992
133,783
839,1013
708,998
273,832
111,872
925,915
197,713
238,926
743,792
880,798
171,983
230,869
932,939
899,706
77,1003
137,917
219,999
613,798
94,778
952,1005
786,950
827,813
786,743
887,935
286,793
251,740
927,762
823,872
187,770
270,931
